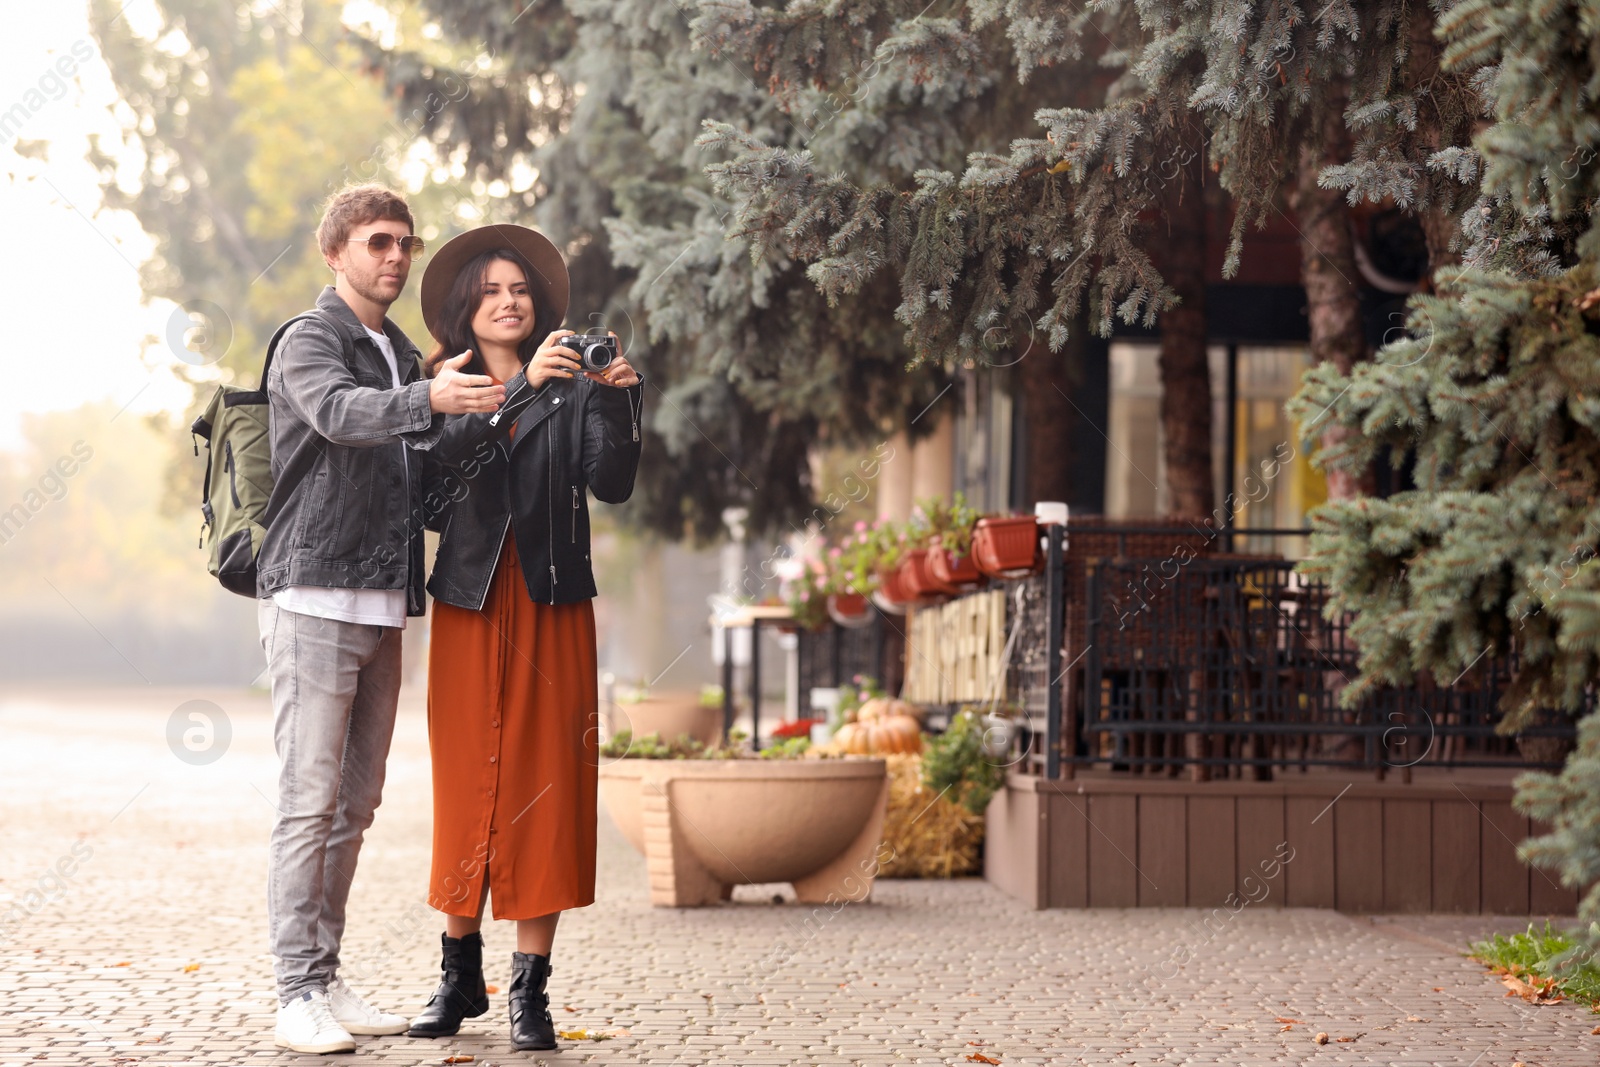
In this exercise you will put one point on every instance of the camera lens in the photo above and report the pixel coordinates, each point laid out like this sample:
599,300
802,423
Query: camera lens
598,355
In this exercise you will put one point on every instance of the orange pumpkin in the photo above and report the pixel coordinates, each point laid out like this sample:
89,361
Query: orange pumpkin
880,736
887,707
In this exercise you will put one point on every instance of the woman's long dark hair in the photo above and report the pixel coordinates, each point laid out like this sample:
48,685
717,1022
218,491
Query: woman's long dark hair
462,303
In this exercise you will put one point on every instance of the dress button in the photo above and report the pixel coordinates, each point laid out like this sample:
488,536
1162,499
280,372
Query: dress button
495,723
492,830
491,792
555,400
493,758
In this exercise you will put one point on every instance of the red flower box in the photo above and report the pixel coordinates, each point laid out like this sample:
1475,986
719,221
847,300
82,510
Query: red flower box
1007,547
920,578
849,609
892,584
957,572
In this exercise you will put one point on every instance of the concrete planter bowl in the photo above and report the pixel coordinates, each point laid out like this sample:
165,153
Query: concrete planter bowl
668,716
705,826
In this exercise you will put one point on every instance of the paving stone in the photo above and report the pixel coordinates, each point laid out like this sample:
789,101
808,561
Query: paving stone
176,876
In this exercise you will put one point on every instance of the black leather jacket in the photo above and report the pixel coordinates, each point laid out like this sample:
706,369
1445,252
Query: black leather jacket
572,434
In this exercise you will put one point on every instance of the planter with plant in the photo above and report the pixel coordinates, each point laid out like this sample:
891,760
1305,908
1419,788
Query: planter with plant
640,712
893,541
950,559
709,818
1007,546
852,577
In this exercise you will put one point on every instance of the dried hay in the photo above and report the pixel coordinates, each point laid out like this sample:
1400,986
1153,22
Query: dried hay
928,835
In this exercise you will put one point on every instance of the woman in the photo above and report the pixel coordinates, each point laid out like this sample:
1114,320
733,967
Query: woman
512,700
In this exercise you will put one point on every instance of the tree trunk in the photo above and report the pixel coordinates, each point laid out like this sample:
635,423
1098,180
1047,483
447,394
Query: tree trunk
1328,271
1063,397
1185,371
1048,415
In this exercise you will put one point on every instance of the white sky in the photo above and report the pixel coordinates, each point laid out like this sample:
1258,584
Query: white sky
69,286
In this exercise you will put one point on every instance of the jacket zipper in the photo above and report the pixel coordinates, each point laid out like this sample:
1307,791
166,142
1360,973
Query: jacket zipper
483,597
574,514
550,504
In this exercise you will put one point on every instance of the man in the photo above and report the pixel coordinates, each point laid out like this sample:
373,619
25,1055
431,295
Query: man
339,571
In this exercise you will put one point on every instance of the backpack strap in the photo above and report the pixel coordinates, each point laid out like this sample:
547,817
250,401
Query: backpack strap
294,474
346,344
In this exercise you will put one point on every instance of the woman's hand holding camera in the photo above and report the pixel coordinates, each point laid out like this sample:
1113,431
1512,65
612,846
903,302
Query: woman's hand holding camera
620,373
552,360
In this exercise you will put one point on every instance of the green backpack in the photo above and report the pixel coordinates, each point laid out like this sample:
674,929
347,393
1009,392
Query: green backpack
239,479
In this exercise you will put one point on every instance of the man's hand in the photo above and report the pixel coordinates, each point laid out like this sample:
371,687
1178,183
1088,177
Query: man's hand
454,393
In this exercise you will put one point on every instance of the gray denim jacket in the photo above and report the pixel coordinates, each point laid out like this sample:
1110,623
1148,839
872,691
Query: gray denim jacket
346,507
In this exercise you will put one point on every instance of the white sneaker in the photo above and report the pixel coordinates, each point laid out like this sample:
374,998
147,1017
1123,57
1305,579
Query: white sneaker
359,1017
306,1024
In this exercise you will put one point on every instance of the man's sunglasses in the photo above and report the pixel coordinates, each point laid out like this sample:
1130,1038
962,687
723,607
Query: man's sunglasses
380,243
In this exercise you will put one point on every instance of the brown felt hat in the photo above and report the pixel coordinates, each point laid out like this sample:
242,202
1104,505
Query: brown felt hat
550,284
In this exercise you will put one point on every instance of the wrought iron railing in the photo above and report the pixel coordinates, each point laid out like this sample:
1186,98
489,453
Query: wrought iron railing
1140,648
1232,662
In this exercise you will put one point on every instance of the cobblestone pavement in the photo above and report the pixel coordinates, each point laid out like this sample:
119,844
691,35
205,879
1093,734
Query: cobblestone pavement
131,885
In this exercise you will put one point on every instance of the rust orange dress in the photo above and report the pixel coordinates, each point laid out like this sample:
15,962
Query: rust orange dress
513,712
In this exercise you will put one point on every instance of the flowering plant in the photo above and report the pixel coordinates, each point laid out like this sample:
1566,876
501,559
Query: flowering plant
947,525
853,562
805,591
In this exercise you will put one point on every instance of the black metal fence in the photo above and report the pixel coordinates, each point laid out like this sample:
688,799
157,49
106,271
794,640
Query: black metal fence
835,655
1231,663
1217,663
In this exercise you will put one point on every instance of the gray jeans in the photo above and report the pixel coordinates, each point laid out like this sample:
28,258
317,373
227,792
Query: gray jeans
334,690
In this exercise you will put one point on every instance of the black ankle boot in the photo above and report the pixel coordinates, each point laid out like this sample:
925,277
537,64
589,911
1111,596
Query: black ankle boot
531,1025
461,993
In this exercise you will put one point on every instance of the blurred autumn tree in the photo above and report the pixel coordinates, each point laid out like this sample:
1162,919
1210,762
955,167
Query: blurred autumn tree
244,118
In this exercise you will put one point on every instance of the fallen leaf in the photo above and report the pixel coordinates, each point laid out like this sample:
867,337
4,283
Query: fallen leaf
462,1058
124,963
1438,989
1291,1022
1290,1026
573,1035
1321,1038
1538,991
190,967
568,1007
1596,1030
1415,1019
978,1057
1346,1040
491,989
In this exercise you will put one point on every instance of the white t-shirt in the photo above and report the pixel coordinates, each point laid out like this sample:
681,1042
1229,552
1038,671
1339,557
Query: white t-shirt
375,607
